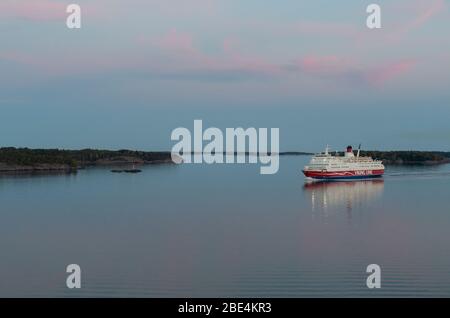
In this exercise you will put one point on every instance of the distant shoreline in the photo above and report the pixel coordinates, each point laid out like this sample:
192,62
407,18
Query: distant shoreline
25,160
411,158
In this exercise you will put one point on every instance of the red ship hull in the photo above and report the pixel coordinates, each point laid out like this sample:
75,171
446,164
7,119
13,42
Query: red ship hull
352,174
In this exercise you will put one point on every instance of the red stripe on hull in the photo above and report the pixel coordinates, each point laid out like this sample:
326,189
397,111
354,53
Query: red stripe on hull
343,174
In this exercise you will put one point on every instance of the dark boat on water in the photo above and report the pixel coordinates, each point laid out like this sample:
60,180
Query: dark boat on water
133,170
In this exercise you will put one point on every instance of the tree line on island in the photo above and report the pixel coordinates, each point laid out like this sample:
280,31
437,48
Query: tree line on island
409,157
25,159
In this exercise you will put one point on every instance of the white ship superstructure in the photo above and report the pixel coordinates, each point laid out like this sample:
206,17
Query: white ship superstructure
348,166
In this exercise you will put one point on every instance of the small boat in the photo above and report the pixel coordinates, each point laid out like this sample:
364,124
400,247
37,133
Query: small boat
132,170
324,166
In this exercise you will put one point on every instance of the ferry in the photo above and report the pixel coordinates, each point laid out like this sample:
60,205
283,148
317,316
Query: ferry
325,166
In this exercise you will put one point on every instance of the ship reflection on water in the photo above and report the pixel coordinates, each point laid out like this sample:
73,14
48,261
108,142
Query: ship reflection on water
328,198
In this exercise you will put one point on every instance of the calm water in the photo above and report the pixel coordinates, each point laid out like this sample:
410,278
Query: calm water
225,230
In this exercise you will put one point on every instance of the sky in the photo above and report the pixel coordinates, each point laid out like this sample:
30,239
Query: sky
138,69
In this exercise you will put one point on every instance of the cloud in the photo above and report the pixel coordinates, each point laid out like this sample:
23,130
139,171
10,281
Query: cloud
17,57
387,72
48,10
325,28
182,59
173,42
182,8
431,8
346,70
174,56
188,62
320,64
36,10
421,11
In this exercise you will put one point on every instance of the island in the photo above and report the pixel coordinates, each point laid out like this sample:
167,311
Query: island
25,160
409,157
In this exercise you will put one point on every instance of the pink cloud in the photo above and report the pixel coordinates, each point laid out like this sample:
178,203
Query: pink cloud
230,44
179,48
45,10
431,8
39,10
387,72
17,57
326,29
175,41
174,55
313,63
421,11
182,8
341,69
